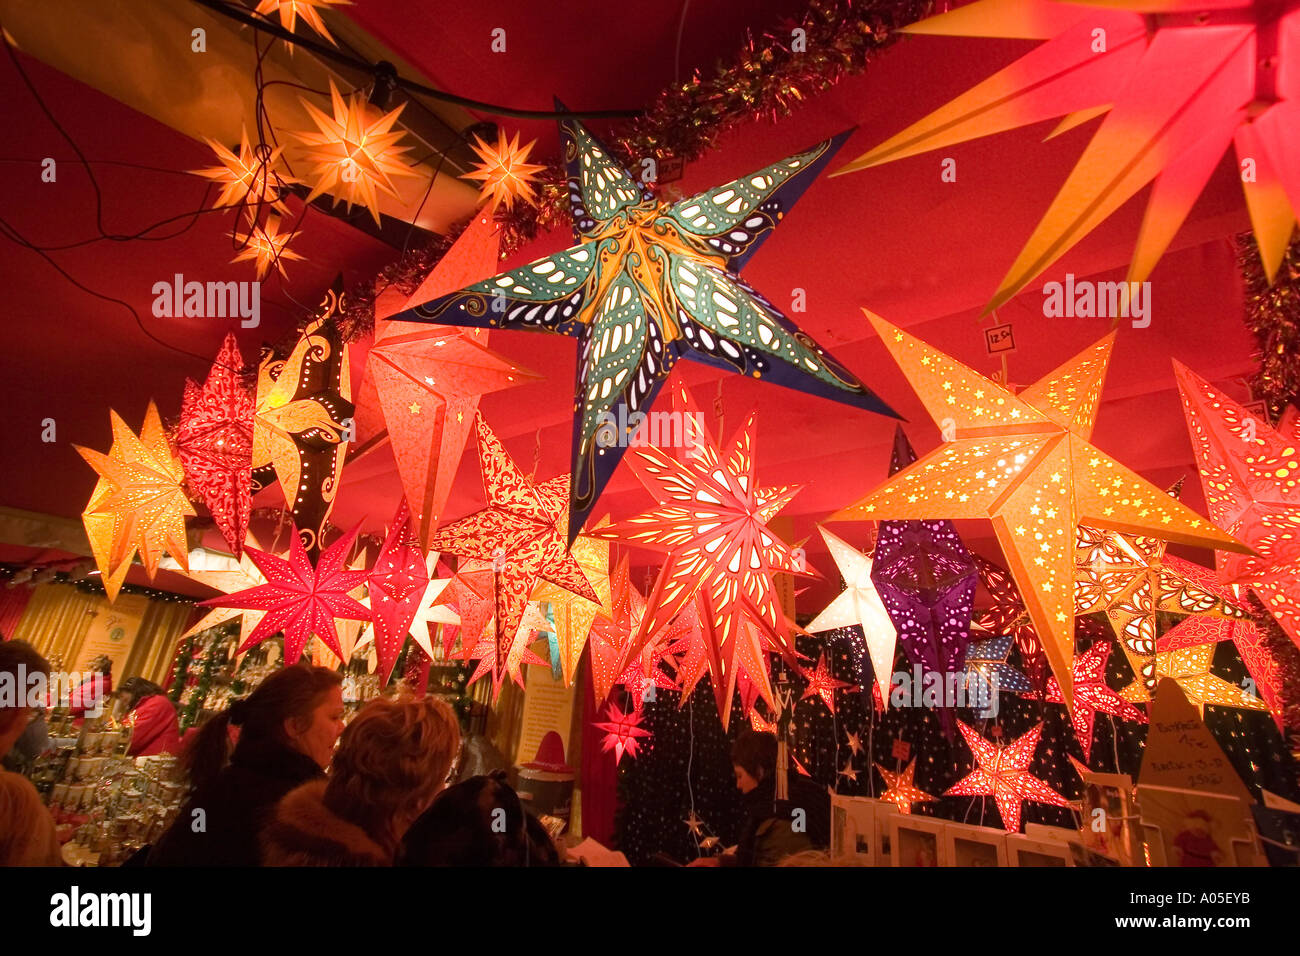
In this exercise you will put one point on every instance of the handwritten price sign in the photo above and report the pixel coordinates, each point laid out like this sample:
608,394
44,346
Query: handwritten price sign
999,339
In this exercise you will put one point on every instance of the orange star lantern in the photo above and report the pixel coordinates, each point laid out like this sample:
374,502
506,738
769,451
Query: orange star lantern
309,10
253,178
265,246
1025,461
505,173
1003,774
1179,82
900,790
138,504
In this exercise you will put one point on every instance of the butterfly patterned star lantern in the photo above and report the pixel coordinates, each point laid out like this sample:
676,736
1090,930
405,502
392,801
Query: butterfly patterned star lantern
1002,772
522,534
138,504
303,421
648,284
299,598
215,442
1250,474
1249,641
1178,81
1026,462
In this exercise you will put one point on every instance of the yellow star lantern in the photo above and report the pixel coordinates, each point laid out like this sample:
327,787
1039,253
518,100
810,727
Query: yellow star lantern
309,10
354,153
253,177
138,504
228,577
900,790
1025,462
505,173
266,246
1189,667
574,615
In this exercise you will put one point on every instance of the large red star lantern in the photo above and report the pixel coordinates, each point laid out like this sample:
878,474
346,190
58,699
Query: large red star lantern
397,585
1179,82
720,552
214,439
523,535
1003,774
1250,474
428,379
1092,695
299,599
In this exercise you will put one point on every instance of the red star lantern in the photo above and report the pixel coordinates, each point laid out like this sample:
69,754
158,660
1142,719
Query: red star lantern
1092,695
900,790
1249,641
611,640
623,732
522,534
1003,774
397,585
823,684
299,599
1250,474
214,439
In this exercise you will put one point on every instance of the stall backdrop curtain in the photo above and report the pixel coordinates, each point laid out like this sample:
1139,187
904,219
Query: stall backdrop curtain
13,601
57,616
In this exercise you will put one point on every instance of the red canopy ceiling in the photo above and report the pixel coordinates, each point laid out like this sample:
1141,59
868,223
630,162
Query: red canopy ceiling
924,253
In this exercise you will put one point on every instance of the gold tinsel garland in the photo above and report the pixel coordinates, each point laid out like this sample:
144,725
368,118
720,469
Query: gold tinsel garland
1273,314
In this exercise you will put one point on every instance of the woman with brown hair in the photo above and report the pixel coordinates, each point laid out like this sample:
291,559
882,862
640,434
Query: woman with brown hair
287,730
393,759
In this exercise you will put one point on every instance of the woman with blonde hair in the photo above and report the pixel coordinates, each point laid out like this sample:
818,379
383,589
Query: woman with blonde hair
391,762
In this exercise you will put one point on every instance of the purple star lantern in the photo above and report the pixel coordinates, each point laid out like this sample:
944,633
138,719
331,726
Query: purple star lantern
926,580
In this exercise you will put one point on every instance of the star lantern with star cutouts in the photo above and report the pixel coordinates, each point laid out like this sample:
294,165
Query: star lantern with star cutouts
1026,462
303,419
1178,82
1190,667
1092,695
522,534
1002,772
138,504
648,284
721,554
398,583
1248,639
299,598
427,380
900,790
1250,474
214,439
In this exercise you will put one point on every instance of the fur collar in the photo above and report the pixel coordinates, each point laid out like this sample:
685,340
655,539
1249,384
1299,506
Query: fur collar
305,832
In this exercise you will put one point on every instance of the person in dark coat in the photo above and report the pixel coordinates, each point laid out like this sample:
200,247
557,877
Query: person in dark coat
394,757
287,731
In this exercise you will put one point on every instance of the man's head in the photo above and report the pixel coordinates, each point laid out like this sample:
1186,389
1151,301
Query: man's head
753,757
18,662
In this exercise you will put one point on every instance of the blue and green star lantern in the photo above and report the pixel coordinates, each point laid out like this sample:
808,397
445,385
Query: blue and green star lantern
647,284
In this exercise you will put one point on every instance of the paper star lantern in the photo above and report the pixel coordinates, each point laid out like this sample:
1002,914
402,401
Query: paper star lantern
900,789
243,576
1178,85
309,10
427,380
822,683
1250,474
623,732
612,640
1249,641
398,584
504,174
1189,667
1092,695
252,178
1130,578
859,604
649,284
299,599
986,661
138,504
471,593
1003,774
303,407
353,153
215,442
1006,615
484,650
1025,461
573,615
265,246
720,553
523,533
927,580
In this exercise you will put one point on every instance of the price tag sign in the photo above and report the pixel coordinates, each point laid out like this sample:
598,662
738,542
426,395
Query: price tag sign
999,339
901,750
670,169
